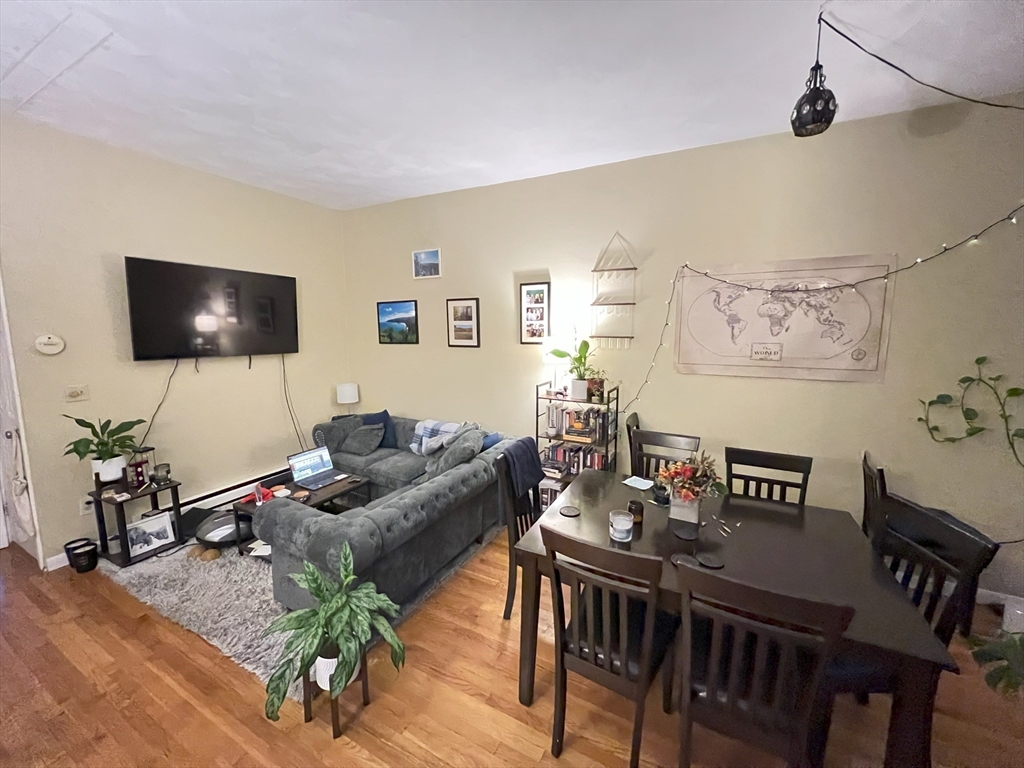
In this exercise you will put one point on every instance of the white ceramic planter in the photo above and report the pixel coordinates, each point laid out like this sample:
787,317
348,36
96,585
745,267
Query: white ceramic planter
686,511
110,469
324,668
578,389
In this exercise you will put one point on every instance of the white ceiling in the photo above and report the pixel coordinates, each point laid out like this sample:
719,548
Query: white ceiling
350,104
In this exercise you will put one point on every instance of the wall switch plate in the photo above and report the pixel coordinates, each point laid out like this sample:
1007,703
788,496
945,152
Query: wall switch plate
85,506
75,393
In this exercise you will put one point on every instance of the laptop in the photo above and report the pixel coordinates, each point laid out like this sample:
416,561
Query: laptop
313,469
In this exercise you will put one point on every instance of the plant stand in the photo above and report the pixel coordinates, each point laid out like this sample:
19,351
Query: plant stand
123,557
308,694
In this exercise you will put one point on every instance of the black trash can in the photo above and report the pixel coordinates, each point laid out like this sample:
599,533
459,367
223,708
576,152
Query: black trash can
83,554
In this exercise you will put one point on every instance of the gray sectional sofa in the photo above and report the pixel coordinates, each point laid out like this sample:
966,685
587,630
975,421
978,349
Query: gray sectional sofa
404,537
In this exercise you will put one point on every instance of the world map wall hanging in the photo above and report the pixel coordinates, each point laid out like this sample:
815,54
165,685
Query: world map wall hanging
795,319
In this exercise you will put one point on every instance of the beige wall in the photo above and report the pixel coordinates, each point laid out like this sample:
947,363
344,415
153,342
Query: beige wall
71,210
904,183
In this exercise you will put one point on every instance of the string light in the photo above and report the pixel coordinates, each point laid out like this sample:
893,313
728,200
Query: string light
1011,217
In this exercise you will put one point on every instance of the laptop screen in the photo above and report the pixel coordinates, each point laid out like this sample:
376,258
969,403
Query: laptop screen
309,463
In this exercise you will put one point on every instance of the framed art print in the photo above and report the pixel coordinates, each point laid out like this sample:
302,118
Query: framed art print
463,322
149,533
426,263
398,322
534,310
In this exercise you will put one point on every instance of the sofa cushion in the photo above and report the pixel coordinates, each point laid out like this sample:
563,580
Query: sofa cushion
350,462
420,506
390,440
405,431
376,503
364,440
462,449
332,434
396,470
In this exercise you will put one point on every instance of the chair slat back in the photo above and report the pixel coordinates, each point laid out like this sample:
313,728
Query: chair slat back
650,451
596,639
751,661
936,571
763,487
874,491
519,513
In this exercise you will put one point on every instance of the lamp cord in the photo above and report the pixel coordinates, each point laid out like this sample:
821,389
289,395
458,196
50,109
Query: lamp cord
830,25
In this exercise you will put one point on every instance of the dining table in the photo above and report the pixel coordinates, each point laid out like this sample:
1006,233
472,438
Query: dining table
815,553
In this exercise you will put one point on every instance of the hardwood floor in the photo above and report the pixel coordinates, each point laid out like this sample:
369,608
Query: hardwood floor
90,676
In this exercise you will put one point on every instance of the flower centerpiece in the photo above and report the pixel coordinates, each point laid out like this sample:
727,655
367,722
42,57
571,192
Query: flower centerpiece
687,482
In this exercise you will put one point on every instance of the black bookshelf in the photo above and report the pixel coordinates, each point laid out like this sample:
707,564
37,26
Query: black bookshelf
594,446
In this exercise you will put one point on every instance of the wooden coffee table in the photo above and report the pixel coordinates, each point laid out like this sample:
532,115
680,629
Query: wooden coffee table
316,499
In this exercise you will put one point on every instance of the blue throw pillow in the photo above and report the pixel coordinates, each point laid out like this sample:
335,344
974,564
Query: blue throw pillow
390,438
490,441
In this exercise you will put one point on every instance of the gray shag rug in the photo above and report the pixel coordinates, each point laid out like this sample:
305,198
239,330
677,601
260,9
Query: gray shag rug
230,601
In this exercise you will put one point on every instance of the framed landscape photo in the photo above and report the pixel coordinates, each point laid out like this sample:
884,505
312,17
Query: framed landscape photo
398,322
463,322
149,533
426,263
534,311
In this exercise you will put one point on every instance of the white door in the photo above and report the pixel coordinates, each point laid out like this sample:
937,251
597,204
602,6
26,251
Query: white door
18,521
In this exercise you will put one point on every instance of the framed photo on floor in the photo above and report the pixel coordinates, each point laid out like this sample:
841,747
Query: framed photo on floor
534,311
398,322
463,322
149,533
426,263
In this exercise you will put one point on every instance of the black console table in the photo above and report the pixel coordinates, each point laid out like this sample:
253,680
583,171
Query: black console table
123,557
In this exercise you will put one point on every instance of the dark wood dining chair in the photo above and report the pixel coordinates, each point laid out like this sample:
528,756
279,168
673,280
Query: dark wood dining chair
614,635
519,514
749,663
632,422
649,451
874,491
937,577
763,487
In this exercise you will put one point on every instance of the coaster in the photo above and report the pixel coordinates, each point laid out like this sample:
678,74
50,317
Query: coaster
707,560
684,530
681,558
569,512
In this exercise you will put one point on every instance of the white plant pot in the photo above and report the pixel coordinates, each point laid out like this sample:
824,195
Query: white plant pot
110,469
578,389
685,511
324,668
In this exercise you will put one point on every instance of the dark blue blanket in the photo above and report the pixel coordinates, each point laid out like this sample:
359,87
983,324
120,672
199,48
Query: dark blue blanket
524,465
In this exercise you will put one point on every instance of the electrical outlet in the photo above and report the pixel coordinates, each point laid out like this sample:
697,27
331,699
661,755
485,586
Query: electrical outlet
85,506
76,393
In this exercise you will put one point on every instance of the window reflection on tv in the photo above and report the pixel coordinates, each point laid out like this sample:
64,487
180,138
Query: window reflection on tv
184,310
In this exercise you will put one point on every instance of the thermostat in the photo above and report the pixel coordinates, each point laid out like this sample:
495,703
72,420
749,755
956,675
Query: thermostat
50,344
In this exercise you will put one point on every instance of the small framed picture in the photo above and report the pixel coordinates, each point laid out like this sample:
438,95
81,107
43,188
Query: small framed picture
463,322
426,263
398,322
534,311
149,533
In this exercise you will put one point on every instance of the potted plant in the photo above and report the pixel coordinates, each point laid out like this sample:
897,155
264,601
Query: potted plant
108,446
687,483
331,636
595,385
1005,654
579,368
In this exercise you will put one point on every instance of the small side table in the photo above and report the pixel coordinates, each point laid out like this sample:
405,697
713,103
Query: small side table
308,694
123,557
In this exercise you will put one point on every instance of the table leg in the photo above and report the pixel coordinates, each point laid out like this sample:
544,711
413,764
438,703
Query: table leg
528,616
909,744
238,533
307,698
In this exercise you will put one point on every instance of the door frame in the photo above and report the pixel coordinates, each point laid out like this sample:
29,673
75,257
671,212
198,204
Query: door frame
5,328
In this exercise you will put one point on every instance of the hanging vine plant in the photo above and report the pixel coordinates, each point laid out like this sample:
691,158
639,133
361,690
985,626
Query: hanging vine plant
984,384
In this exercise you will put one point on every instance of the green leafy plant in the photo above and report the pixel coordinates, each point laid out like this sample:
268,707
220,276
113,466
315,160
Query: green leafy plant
971,415
106,442
1004,655
343,618
579,361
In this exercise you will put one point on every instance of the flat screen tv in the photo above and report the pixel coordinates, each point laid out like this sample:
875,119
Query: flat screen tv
184,310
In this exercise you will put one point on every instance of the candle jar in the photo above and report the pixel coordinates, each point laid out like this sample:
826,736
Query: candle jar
620,525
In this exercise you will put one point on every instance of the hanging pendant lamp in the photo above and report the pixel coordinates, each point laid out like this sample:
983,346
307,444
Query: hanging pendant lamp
816,109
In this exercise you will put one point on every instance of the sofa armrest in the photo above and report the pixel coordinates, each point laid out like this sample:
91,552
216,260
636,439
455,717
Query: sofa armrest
316,536
333,433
